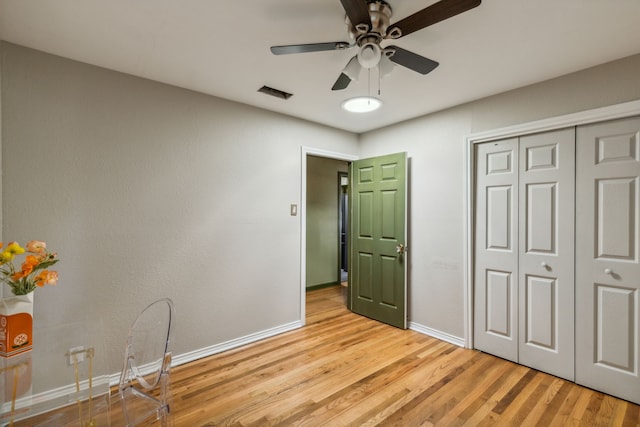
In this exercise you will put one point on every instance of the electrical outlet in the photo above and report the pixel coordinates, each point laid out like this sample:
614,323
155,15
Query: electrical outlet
79,352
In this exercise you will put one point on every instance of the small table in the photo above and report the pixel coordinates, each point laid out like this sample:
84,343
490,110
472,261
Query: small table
63,380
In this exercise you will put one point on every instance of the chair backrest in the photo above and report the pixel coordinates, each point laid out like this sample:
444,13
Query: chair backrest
147,354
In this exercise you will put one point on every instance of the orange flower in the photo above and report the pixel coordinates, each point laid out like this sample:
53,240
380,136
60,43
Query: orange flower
31,260
36,246
28,265
47,277
32,273
20,274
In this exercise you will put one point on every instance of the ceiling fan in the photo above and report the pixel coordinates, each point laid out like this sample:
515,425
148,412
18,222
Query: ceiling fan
368,25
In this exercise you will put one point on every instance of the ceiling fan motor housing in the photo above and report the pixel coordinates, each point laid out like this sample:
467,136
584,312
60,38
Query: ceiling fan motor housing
369,52
380,13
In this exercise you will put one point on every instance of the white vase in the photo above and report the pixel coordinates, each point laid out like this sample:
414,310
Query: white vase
16,324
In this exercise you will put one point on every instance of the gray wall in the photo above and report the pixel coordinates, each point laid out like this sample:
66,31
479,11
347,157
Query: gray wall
1,133
435,144
147,190
322,219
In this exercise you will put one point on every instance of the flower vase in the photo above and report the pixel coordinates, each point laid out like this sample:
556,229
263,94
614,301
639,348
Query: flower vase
16,325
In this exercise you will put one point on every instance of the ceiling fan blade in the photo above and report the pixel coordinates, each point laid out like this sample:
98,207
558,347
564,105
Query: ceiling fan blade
413,61
433,14
358,13
310,47
342,82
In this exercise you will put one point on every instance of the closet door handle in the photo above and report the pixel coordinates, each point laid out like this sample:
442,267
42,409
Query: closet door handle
608,271
544,265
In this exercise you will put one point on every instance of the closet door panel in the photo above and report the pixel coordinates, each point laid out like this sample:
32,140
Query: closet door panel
496,246
616,237
546,255
541,296
607,260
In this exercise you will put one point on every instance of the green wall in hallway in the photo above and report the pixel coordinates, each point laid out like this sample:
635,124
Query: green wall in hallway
322,219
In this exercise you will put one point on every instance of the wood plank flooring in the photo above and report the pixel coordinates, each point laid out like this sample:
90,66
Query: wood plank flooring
346,370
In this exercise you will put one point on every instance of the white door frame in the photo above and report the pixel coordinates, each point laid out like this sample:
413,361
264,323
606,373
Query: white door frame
612,112
308,151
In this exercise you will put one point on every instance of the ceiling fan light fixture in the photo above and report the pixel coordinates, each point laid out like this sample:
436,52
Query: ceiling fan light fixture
369,55
362,104
385,67
353,68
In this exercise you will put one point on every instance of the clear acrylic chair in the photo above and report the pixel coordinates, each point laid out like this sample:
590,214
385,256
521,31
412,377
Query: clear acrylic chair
145,385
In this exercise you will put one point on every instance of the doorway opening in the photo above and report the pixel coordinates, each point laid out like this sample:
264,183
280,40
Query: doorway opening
343,224
307,259
378,212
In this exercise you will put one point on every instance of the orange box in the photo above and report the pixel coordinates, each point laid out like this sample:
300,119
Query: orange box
16,326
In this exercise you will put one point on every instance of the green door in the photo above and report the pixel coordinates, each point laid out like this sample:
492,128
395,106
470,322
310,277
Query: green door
377,285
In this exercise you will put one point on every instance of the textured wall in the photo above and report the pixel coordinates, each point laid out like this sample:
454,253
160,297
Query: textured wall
146,191
322,219
1,133
436,147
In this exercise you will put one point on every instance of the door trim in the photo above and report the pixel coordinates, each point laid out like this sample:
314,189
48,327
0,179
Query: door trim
304,152
612,112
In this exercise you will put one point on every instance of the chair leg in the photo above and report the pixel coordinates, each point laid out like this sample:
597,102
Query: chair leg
164,415
166,399
125,413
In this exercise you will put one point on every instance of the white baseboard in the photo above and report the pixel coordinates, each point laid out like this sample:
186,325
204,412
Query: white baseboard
113,379
181,359
191,356
437,334
49,400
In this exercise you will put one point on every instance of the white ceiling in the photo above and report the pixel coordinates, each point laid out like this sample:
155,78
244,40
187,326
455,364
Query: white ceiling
222,48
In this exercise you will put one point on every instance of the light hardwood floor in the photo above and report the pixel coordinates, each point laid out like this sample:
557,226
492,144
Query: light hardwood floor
346,370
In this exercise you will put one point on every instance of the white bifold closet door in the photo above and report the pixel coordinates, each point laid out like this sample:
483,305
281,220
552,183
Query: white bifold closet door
546,256
496,249
524,250
607,261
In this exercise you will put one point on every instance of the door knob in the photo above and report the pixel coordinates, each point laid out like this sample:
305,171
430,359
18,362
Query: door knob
608,271
544,265
400,248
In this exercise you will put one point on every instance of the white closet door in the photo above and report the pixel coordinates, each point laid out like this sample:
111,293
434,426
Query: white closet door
607,258
496,249
546,255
